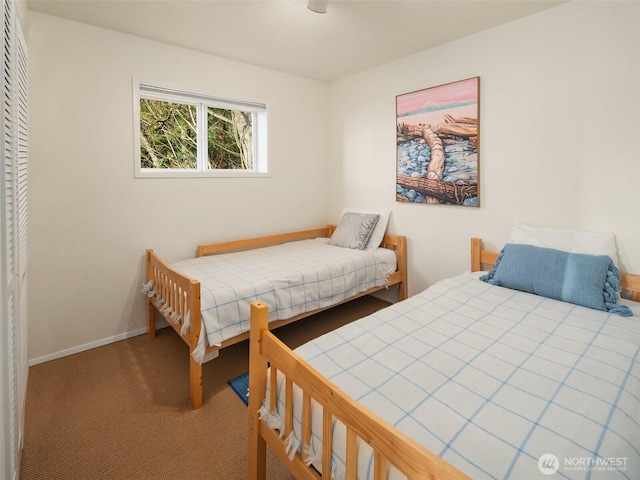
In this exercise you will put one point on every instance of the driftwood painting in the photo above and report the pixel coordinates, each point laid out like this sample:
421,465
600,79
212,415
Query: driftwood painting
437,138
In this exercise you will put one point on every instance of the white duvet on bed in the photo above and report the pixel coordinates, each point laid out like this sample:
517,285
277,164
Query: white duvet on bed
291,278
497,382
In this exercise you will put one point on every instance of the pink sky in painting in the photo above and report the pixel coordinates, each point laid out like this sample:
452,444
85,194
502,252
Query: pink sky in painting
462,91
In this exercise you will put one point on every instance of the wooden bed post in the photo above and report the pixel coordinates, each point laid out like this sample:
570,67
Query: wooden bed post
632,284
476,246
403,288
195,381
151,310
257,391
195,368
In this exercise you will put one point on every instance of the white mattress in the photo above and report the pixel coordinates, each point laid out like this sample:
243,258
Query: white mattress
291,278
499,383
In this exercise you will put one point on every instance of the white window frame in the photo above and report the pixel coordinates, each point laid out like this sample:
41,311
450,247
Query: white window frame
157,91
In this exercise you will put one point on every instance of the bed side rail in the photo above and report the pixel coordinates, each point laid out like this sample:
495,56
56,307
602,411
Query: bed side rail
262,241
390,446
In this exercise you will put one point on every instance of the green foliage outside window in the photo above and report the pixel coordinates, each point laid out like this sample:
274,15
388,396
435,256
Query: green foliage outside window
229,139
169,136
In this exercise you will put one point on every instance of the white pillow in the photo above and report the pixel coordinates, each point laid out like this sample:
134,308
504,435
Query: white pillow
381,227
573,241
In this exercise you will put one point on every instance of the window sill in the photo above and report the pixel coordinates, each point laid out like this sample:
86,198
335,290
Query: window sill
196,174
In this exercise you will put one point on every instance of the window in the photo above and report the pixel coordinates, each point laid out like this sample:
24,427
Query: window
185,134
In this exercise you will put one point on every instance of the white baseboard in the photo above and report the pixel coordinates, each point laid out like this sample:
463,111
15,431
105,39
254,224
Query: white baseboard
90,345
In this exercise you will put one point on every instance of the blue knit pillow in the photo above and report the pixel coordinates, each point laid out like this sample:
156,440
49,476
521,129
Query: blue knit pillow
589,280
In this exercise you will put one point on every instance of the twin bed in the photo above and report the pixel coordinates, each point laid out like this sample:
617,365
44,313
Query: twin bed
207,299
469,379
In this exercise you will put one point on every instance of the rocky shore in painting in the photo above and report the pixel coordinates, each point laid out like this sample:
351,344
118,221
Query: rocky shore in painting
460,166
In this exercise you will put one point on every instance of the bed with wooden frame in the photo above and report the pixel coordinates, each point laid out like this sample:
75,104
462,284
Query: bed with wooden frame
175,294
391,448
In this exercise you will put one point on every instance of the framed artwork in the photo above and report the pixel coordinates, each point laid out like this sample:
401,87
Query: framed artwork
438,134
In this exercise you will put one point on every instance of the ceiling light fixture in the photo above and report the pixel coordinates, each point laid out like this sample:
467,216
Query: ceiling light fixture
318,6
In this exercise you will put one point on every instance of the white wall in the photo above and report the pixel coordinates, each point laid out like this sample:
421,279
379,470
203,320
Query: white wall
560,124
91,221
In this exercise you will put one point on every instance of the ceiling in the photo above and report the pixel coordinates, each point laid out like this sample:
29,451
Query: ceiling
284,35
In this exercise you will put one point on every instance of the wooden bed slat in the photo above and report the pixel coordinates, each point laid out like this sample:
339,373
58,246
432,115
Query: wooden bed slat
306,419
288,407
327,442
380,467
352,454
273,386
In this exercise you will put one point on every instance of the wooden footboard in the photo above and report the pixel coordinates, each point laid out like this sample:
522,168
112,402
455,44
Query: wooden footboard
176,295
390,445
177,298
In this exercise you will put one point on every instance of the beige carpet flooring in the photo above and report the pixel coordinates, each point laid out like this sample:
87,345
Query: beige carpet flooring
122,411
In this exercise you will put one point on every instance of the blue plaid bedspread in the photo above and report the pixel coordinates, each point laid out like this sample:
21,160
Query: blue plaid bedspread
499,383
291,278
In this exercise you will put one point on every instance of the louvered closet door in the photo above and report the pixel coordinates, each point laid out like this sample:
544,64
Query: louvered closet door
20,156
10,293
13,239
